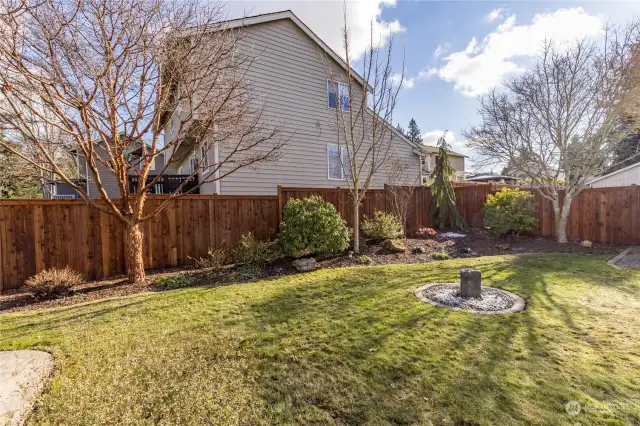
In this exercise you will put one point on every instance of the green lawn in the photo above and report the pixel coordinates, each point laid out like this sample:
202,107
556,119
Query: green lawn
349,346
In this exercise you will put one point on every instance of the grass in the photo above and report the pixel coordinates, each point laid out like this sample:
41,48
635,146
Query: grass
350,346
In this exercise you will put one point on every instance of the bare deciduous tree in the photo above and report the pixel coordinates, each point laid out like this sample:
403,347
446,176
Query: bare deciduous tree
555,122
625,46
112,77
400,188
364,108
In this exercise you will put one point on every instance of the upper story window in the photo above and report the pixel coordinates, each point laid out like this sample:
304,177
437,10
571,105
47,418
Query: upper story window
337,162
338,94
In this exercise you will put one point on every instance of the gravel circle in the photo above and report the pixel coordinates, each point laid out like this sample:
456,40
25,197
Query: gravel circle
493,300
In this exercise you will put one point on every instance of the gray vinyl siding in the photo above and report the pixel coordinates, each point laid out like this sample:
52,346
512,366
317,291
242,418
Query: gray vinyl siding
290,78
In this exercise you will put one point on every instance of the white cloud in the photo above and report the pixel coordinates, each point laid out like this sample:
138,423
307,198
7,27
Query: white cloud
326,19
494,14
481,66
407,83
363,17
442,48
431,138
428,73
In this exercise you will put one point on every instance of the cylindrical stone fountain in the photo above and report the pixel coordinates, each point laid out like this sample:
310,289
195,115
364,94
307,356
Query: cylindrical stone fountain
470,283
469,295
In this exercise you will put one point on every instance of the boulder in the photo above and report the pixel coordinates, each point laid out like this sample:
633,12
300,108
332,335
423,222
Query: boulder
587,243
394,246
470,283
305,264
464,250
419,250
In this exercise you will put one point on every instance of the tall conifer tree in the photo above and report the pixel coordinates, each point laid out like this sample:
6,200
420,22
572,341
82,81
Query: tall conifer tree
413,132
443,197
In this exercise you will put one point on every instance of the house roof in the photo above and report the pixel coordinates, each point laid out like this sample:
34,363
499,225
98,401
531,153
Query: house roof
490,176
435,149
288,14
613,173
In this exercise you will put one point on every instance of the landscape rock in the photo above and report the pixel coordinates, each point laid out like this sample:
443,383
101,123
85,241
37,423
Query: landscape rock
464,250
470,283
394,246
587,243
419,250
305,264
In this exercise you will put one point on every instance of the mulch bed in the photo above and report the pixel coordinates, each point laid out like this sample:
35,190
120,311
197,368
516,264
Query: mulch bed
476,243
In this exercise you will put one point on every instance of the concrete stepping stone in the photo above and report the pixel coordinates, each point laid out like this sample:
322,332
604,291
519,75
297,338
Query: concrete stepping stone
628,259
22,376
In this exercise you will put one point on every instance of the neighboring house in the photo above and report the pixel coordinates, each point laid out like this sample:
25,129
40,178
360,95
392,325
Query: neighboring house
491,178
289,75
626,176
173,177
429,159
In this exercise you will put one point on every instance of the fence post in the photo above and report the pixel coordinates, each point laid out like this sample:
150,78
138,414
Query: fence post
280,200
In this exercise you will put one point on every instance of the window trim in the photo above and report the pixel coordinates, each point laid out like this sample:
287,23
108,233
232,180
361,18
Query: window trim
342,171
329,81
204,159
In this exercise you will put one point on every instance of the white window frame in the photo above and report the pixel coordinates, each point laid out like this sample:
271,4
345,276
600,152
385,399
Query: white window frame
204,158
152,166
338,83
341,147
191,161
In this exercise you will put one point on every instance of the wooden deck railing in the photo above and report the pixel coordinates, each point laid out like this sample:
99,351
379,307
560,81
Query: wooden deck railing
167,184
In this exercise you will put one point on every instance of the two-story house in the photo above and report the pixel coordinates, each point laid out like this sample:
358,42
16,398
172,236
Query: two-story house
430,159
289,74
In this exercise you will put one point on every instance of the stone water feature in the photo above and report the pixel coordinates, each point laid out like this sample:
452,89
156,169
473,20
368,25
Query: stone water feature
470,295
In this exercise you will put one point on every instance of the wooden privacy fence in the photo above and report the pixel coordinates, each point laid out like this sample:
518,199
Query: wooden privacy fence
606,215
40,234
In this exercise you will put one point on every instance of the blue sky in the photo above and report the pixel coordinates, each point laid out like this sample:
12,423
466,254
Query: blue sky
454,51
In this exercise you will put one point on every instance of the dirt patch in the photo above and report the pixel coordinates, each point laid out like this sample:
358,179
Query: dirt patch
476,243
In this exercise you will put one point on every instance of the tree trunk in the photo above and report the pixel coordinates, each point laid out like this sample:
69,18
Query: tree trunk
562,215
133,252
356,228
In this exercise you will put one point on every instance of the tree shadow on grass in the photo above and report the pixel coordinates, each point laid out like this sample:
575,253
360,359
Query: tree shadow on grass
361,348
45,321
365,338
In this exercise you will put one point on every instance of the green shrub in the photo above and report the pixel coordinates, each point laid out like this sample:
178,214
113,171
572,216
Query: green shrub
174,281
510,211
214,262
53,281
439,256
383,225
365,260
311,225
250,250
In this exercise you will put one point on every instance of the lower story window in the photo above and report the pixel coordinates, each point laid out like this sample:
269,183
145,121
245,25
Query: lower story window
337,162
